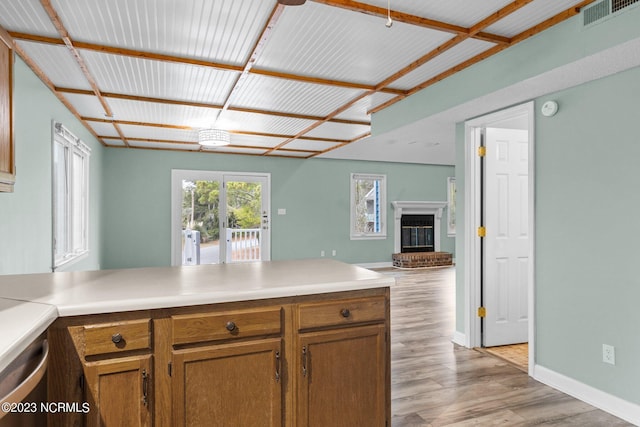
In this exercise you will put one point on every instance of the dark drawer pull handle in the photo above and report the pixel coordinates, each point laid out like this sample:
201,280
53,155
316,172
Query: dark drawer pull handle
231,326
116,338
345,312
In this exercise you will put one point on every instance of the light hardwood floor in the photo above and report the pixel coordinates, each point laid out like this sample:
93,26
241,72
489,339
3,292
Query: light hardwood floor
437,383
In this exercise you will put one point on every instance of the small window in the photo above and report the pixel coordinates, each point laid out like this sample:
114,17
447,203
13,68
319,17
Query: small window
70,197
368,206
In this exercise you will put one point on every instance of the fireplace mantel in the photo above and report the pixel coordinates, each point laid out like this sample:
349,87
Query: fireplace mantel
417,208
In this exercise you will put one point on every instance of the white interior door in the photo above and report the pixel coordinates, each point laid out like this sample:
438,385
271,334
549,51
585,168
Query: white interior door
506,244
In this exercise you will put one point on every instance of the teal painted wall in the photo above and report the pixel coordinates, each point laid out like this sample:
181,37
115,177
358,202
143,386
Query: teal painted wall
586,174
314,192
587,209
25,214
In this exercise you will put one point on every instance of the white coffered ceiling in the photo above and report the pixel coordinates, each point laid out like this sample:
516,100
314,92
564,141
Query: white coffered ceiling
293,81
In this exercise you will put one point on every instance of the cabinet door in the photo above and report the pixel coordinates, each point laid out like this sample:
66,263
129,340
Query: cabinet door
342,377
118,392
7,156
236,384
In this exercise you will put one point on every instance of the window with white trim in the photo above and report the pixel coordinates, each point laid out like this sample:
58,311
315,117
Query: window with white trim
368,206
70,169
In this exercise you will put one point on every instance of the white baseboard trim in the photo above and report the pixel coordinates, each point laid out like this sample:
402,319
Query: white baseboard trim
459,338
376,265
621,408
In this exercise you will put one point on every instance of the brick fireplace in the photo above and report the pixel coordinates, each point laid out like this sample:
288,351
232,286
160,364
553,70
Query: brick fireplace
417,235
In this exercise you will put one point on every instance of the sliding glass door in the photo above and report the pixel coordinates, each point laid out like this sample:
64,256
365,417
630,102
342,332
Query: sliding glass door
219,217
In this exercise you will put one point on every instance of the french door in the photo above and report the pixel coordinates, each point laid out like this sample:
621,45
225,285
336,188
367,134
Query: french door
219,217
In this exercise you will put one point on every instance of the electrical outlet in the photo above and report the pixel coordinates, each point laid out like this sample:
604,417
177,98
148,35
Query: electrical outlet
321,253
333,252
608,354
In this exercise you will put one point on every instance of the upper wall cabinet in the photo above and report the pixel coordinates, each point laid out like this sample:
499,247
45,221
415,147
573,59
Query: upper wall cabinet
7,154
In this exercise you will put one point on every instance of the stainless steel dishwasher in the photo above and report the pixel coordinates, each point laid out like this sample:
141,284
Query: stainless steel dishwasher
23,387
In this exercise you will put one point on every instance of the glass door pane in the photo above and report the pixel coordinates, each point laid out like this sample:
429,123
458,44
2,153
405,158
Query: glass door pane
247,225
201,222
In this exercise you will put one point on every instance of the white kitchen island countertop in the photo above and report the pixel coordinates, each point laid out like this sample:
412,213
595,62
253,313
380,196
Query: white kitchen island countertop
33,301
21,323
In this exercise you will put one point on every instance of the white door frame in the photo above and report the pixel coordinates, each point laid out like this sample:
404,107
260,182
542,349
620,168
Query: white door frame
472,279
178,175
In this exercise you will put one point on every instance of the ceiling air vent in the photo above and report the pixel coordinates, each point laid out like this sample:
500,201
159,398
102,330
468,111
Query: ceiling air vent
617,5
603,10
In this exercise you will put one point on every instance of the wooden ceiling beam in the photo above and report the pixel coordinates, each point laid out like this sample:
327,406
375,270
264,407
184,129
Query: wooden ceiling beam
257,50
64,34
459,38
554,20
321,122
188,128
406,18
197,62
206,105
46,80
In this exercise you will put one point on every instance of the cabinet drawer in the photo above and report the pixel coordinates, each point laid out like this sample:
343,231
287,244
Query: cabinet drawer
117,337
192,328
342,312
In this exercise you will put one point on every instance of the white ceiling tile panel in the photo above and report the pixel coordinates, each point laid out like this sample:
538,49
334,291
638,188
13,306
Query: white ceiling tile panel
104,129
234,150
159,134
359,110
338,131
452,57
221,30
262,123
61,68
149,112
163,145
529,16
256,140
25,16
283,95
86,105
291,153
308,145
144,77
320,40
114,142
464,13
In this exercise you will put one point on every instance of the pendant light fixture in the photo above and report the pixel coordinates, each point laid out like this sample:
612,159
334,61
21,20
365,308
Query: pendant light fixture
214,137
389,20
291,2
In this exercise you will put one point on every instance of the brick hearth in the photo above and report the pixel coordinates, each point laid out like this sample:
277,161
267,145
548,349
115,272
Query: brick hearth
422,259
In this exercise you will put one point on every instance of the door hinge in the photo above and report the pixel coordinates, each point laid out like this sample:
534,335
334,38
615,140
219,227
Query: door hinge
482,151
482,231
482,312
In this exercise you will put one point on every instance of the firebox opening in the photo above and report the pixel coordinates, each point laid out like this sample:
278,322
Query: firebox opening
417,234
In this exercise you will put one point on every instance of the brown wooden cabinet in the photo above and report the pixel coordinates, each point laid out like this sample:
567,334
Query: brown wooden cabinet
118,392
226,368
317,360
235,384
7,154
343,363
110,370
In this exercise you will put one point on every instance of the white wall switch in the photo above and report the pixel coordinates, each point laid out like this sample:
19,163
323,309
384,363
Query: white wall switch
282,211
